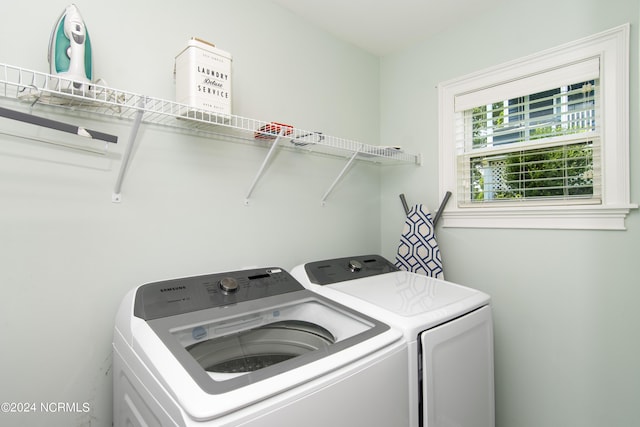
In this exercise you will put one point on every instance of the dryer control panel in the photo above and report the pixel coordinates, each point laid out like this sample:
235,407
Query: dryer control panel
349,268
184,295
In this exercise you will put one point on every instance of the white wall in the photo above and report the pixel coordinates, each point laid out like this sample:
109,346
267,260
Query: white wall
566,317
68,254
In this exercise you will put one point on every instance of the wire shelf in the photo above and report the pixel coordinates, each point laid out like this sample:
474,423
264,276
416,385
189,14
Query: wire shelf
37,87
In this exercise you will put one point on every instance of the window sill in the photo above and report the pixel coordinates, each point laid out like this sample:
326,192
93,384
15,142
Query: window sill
563,217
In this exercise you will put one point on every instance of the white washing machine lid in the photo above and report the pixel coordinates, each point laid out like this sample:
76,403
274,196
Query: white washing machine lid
407,294
407,300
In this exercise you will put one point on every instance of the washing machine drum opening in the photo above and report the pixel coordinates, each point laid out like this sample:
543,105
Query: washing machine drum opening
254,349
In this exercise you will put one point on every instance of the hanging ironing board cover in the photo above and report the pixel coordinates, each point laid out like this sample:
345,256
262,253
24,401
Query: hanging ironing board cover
418,251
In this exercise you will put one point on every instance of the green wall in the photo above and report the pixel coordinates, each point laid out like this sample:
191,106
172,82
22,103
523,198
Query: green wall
567,339
566,317
68,254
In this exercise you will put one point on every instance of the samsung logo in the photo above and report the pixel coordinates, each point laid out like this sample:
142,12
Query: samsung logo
174,288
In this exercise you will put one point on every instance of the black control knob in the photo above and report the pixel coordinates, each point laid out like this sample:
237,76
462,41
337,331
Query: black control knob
228,284
355,266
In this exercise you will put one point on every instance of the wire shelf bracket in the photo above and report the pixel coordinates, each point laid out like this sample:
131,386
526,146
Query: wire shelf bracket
128,154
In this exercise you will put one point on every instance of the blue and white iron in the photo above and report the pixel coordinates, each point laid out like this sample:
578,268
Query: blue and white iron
70,48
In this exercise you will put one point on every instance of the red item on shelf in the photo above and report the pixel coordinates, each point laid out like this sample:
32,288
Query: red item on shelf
271,130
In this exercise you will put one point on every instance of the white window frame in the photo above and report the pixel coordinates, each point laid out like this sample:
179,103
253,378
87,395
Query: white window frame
612,48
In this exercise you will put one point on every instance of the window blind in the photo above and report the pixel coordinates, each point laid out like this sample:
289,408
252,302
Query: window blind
539,146
584,70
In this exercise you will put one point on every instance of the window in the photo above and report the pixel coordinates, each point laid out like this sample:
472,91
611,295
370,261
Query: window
541,142
539,147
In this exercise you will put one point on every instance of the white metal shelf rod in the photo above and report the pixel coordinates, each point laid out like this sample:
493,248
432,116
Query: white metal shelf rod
263,165
340,175
128,152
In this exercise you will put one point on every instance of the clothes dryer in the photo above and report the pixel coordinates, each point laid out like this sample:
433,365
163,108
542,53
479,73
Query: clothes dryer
253,348
448,329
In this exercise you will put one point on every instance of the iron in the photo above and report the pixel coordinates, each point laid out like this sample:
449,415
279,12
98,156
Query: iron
70,53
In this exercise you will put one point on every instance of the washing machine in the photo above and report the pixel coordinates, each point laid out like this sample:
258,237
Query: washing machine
448,329
253,348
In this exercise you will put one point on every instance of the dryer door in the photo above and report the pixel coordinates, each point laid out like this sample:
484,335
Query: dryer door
457,372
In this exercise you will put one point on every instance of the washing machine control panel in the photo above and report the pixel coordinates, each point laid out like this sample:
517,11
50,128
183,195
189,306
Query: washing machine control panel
184,295
342,269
